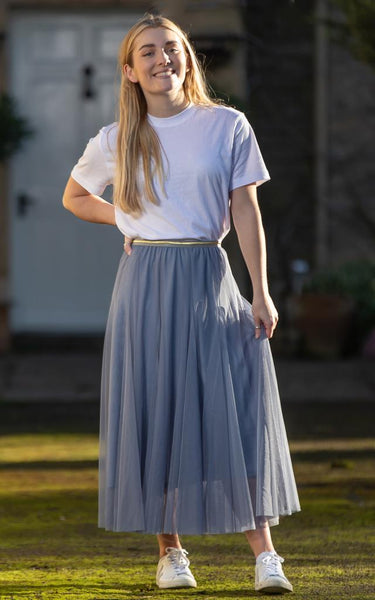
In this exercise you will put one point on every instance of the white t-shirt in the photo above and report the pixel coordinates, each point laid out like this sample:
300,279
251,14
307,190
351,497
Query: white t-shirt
207,152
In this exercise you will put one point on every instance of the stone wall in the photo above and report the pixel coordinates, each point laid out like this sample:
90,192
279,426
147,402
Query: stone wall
281,85
351,158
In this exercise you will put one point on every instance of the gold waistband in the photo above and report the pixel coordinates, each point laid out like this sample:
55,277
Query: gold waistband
182,242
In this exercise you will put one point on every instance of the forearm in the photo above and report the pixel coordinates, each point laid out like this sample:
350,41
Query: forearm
248,223
249,227
91,208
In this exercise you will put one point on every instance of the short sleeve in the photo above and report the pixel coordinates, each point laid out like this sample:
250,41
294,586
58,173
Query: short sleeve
247,162
91,170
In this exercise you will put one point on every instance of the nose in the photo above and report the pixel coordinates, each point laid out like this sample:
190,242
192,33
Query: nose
164,57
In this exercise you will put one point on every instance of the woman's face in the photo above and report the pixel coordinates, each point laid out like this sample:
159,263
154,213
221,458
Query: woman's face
159,63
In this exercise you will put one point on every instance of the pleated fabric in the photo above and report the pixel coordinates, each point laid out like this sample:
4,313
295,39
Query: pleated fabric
192,437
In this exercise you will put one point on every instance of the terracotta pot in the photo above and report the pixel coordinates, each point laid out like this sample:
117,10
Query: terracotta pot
324,321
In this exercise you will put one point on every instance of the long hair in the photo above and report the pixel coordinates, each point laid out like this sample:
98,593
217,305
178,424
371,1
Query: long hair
137,143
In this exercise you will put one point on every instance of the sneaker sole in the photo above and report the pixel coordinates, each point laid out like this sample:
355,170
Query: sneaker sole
274,589
177,584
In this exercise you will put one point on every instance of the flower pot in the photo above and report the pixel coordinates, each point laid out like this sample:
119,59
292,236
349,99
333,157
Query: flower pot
324,322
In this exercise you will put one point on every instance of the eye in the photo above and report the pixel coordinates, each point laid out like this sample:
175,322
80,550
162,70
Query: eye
174,50
148,53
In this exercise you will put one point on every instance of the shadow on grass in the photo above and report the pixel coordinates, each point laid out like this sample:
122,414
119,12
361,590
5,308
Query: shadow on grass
27,591
64,465
129,590
328,456
309,419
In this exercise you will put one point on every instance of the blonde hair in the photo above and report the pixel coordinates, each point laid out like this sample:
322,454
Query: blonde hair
137,143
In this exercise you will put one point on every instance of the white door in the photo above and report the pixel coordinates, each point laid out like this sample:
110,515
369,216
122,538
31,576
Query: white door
63,76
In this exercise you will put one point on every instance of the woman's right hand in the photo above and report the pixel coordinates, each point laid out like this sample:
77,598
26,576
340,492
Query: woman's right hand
128,245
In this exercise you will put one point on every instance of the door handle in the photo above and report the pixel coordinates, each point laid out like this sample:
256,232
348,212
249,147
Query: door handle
88,91
23,203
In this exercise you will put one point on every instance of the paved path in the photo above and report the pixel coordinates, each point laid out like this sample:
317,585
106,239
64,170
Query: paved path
50,377
334,381
73,376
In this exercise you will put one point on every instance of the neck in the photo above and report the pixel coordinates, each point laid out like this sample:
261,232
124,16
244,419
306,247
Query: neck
166,106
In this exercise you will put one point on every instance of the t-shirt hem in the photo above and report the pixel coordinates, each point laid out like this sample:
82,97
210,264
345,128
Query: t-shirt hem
84,183
118,222
258,179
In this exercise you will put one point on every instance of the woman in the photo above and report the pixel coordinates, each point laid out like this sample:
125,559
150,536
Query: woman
192,438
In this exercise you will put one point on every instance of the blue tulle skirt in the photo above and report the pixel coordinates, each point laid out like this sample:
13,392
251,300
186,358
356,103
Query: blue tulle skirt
192,437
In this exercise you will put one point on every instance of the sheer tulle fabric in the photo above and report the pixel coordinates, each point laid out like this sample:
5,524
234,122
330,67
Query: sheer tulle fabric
192,438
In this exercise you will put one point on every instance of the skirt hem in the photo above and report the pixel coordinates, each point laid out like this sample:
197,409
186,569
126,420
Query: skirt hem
273,522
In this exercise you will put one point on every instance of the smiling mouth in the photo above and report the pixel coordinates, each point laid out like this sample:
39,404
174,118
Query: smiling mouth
164,74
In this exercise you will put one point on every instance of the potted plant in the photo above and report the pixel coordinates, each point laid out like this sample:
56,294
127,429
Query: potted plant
336,309
13,130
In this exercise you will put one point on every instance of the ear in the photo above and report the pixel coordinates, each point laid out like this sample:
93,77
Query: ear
129,73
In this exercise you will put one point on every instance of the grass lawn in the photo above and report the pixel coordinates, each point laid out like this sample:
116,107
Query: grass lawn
50,547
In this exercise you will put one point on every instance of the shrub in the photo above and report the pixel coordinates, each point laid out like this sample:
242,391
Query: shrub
13,128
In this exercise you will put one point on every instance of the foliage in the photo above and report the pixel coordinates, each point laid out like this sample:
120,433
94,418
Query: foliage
13,128
229,100
357,33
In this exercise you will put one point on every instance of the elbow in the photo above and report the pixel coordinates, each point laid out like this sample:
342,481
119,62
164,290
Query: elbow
67,202
74,195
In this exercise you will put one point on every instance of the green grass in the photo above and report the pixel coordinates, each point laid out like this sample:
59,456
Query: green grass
51,548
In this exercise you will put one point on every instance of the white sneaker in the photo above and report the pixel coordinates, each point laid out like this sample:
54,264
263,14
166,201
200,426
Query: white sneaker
173,570
269,576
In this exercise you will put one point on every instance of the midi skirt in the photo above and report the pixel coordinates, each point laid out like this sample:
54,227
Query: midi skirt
192,437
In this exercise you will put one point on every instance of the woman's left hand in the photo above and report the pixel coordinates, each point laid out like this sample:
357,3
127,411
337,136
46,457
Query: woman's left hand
265,314
128,245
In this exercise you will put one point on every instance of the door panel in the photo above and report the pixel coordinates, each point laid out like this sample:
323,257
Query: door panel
63,269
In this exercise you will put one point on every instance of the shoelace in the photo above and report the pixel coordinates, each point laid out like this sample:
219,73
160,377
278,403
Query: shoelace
273,564
178,558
